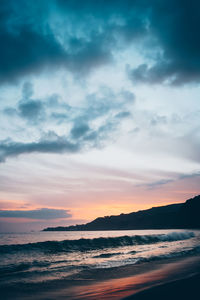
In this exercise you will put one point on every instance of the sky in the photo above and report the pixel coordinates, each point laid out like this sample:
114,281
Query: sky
99,108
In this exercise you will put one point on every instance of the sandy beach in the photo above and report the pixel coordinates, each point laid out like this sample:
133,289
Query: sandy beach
187,288
172,278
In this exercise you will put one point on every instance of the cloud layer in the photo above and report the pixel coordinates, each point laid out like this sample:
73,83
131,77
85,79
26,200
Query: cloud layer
84,127
99,104
58,145
40,214
80,37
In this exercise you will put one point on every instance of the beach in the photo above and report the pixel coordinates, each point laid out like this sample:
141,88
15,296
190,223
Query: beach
187,288
173,278
99,265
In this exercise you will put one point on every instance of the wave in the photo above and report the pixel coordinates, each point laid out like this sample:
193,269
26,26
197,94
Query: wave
21,267
183,253
96,243
107,255
138,260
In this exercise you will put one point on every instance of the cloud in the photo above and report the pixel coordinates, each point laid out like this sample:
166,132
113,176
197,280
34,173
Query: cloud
192,175
174,25
59,144
81,138
177,177
42,213
106,102
51,125
89,32
82,40
159,183
27,90
79,130
166,33
91,55
27,51
30,45
123,115
31,110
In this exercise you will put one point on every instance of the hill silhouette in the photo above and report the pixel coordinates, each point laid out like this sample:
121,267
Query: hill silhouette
182,215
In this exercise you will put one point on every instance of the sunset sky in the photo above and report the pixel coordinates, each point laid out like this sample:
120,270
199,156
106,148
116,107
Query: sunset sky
99,108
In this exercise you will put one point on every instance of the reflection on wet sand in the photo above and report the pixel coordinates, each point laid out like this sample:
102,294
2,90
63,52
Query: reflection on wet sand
125,286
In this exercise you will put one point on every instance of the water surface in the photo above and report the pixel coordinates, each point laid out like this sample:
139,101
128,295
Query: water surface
45,256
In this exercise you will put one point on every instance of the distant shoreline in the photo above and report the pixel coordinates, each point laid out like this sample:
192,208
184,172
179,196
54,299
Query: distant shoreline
83,230
174,216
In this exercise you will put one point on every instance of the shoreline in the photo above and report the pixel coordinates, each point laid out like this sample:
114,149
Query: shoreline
115,283
133,279
186,288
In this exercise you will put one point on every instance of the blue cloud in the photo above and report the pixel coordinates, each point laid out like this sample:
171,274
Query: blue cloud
42,214
174,26
59,144
31,110
92,30
79,130
83,132
123,115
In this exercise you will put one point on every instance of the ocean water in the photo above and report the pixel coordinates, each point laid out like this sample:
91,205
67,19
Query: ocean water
48,256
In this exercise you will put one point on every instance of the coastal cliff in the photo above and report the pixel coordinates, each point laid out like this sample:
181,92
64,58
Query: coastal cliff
182,215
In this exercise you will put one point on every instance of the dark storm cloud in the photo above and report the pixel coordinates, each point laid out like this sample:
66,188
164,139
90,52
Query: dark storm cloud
90,55
57,144
31,52
30,41
29,45
40,214
27,51
170,26
175,25
90,31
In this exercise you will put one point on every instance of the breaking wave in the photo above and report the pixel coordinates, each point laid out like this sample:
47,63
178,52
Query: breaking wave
96,243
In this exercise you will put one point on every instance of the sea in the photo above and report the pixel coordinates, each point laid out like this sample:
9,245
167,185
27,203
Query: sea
39,257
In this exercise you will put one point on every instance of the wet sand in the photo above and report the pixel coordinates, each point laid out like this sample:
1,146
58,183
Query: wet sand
155,279
183,289
143,276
